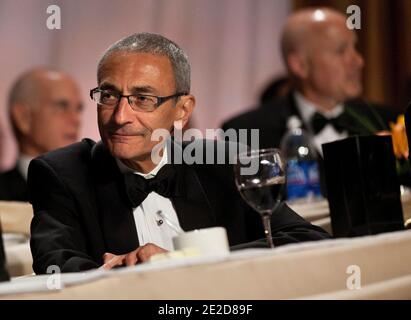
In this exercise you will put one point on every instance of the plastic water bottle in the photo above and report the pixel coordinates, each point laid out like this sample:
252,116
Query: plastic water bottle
303,180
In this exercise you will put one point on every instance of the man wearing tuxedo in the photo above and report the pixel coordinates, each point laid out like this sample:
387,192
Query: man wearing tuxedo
44,109
98,204
325,69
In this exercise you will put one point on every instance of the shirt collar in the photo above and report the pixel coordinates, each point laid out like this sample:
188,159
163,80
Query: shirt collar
23,164
307,108
164,160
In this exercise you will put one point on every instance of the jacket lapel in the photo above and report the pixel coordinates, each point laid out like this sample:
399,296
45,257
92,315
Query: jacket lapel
358,123
115,212
193,208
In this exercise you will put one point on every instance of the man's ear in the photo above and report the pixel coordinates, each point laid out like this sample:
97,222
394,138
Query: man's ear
21,116
297,63
186,106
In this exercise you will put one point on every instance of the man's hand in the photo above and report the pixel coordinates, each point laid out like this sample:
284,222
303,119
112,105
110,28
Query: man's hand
141,254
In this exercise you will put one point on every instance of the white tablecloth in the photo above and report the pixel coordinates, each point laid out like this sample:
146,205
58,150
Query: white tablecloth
311,270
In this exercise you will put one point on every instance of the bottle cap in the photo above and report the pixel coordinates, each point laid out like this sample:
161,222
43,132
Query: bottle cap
293,122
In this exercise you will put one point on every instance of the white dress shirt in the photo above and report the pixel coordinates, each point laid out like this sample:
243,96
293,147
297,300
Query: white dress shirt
23,164
151,228
328,133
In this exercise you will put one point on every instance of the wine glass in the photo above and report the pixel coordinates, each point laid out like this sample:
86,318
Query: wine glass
260,179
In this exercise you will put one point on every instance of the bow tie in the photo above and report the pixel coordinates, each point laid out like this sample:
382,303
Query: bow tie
166,183
318,122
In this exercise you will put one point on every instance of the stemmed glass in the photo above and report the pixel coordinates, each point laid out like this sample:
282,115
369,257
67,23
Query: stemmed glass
260,177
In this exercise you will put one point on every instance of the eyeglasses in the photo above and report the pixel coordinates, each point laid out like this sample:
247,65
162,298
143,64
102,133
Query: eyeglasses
138,102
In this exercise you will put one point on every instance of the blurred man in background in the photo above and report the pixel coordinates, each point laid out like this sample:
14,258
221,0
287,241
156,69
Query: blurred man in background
44,110
325,69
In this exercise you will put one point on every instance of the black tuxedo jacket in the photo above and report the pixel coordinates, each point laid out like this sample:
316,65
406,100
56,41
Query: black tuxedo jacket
13,186
81,209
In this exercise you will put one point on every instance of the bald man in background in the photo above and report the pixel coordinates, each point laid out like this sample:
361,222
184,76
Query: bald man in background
325,69
44,108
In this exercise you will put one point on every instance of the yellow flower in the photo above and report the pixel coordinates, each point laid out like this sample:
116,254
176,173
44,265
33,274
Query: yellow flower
399,138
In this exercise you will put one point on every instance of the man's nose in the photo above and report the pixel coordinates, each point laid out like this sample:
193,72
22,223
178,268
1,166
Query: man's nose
358,59
122,112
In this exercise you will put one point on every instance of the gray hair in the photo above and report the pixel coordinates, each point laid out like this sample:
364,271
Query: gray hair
156,45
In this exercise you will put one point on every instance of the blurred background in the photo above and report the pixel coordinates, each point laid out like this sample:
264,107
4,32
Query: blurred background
233,46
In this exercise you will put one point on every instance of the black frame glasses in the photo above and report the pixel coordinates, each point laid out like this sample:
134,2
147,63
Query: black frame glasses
131,101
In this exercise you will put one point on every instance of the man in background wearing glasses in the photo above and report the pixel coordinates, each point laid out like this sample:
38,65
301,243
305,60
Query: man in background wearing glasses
106,203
